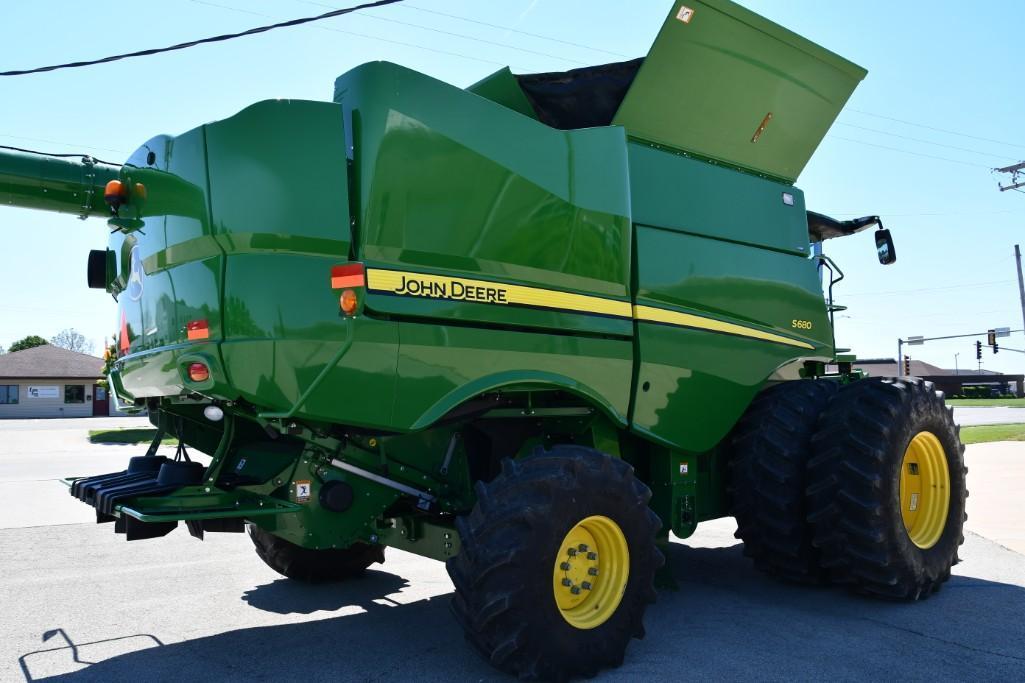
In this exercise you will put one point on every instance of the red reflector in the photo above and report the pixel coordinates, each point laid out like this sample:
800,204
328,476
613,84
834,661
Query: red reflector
197,329
198,372
349,275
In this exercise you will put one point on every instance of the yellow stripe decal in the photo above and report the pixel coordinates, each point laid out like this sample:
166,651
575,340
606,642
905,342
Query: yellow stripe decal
483,291
661,315
402,283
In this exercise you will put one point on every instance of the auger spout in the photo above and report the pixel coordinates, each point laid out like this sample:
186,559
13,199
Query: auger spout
50,183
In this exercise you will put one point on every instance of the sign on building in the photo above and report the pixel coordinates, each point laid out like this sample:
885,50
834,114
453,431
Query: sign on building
43,392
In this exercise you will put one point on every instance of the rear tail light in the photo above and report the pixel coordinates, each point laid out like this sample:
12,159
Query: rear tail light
197,329
348,275
198,372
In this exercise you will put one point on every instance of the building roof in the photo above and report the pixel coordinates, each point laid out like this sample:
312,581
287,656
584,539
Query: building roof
50,361
887,367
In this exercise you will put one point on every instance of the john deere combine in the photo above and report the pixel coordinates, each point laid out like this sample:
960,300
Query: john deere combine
528,328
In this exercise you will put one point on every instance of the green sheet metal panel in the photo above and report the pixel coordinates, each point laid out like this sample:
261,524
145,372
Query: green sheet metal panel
450,185
673,191
502,88
727,84
693,384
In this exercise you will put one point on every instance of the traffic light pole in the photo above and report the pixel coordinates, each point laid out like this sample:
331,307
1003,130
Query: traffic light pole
914,341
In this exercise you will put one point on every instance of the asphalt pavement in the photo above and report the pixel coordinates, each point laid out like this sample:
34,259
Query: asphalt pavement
992,415
81,604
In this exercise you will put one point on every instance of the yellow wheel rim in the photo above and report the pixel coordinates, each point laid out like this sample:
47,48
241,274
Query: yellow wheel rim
591,571
924,490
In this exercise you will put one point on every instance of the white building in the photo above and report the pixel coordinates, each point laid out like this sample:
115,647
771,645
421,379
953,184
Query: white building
48,381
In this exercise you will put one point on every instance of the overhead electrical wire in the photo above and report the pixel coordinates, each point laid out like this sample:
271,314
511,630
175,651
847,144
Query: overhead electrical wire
926,142
449,53
334,12
967,285
201,41
58,142
904,151
438,30
938,130
513,30
58,154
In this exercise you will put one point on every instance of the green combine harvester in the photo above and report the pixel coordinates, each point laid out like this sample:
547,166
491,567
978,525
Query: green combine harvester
528,328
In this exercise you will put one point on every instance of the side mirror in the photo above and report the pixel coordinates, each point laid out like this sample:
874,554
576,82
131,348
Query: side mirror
884,247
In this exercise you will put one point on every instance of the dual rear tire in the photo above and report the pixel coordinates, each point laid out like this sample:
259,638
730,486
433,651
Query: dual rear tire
862,485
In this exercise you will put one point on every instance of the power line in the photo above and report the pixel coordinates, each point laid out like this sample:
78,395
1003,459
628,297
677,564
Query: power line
513,30
904,151
889,214
201,41
443,32
361,35
938,130
56,154
927,142
966,285
58,142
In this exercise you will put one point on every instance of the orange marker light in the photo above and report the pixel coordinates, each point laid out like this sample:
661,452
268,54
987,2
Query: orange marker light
349,275
114,194
198,372
348,302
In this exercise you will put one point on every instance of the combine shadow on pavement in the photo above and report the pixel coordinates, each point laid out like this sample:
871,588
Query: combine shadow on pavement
75,650
290,597
725,622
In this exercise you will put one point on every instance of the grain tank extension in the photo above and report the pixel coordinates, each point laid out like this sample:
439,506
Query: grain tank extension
528,328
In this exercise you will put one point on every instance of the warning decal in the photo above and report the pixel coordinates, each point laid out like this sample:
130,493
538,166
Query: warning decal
302,491
685,14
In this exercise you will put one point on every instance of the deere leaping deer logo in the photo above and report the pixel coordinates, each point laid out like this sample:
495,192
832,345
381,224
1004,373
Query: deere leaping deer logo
135,276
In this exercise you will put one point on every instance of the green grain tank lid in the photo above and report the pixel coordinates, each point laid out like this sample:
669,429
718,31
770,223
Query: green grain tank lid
727,84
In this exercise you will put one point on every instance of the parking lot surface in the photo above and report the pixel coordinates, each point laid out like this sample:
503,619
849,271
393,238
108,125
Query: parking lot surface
81,604
992,415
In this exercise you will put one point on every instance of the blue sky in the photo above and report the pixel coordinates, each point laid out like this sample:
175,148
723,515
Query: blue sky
945,66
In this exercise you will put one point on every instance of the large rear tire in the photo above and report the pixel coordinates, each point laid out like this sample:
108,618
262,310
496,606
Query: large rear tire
557,564
769,451
887,488
313,566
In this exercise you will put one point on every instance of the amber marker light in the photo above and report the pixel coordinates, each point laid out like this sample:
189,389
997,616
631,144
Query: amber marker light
114,194
198,372
348,302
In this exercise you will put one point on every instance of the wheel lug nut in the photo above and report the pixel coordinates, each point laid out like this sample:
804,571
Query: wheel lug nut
575,590
567,582
582,547
592,571
564,566
586,585
571,552
592,556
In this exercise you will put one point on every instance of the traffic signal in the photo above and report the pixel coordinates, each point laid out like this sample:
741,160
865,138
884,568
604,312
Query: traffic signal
991,338
996,347
907,366
978,350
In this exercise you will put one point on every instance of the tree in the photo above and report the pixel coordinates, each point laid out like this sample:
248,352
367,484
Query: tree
72,340
28,342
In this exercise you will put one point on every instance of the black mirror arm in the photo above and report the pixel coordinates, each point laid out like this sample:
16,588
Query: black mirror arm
821,227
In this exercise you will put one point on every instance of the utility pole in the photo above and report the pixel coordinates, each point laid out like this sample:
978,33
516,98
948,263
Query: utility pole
1021,284
1017,172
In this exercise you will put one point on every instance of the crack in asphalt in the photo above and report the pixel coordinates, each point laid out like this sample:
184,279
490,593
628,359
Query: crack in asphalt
943,640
